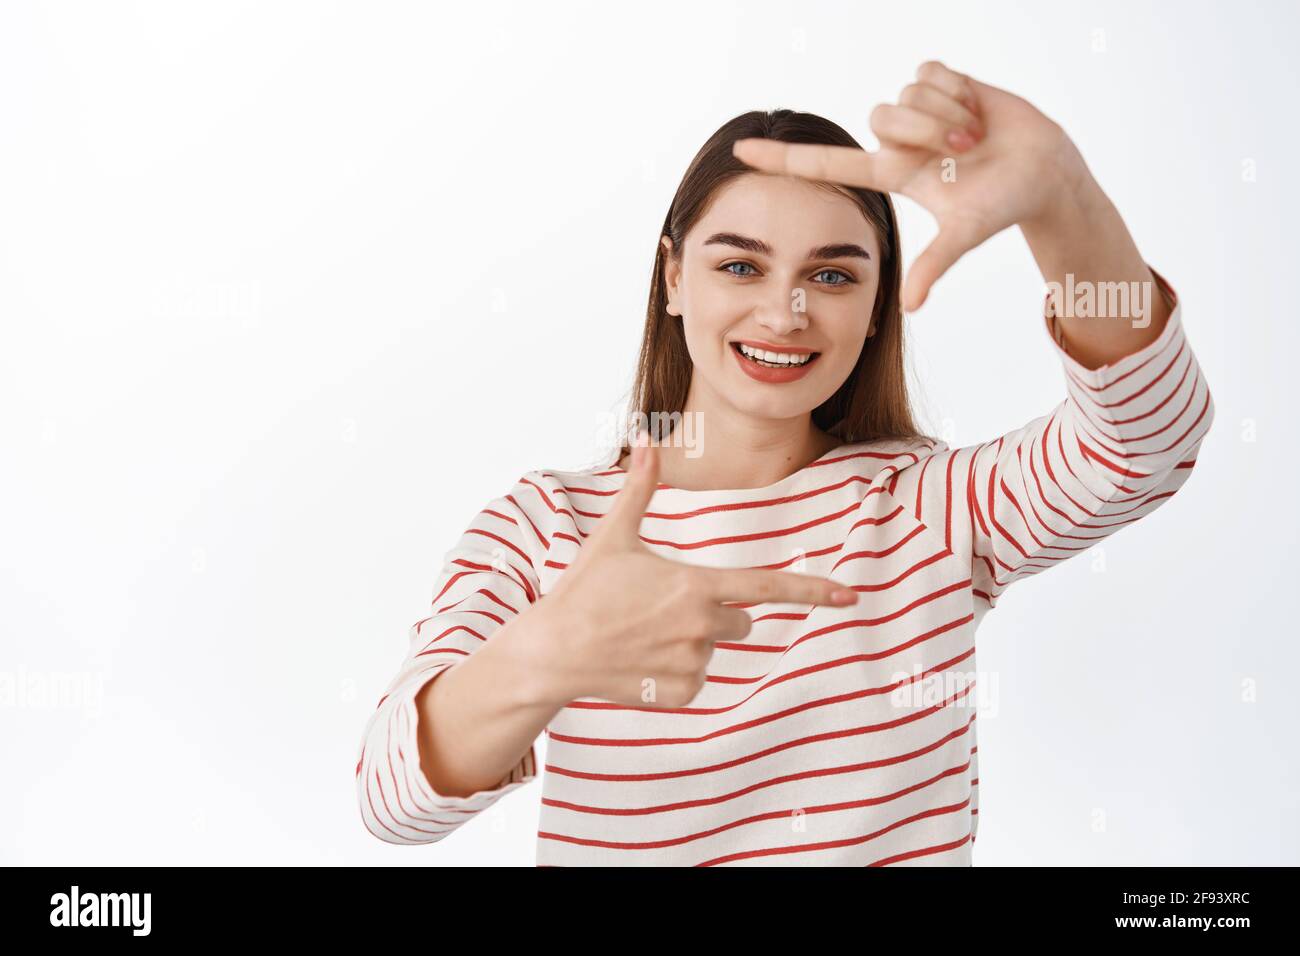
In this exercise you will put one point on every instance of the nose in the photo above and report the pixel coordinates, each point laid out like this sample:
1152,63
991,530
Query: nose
785,311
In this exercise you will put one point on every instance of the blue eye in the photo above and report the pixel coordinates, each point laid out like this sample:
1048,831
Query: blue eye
727,268
837,272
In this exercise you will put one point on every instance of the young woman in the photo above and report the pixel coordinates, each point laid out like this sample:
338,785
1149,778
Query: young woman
758,646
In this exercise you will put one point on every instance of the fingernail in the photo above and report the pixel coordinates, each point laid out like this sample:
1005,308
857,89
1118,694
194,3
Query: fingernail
844,596
959,139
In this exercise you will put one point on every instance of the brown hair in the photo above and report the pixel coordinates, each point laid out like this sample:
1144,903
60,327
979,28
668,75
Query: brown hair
872,403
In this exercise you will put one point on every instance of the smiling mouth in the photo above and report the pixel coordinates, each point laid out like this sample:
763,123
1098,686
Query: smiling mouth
795,361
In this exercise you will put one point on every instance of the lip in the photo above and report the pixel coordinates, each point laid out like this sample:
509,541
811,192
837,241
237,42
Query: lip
772,376
769,347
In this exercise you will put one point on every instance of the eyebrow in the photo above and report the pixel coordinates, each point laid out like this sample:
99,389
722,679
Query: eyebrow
835,250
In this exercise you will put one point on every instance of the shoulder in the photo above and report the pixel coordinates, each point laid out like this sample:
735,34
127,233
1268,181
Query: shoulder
891,456
549,494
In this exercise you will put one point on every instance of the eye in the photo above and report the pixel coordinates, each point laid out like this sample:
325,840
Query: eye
726,267
847,279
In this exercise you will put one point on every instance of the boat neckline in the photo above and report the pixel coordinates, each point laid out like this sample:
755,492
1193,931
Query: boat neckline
838,453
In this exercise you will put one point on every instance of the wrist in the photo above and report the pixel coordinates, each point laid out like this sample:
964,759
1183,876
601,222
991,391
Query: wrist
532,661
1073,199
1080,232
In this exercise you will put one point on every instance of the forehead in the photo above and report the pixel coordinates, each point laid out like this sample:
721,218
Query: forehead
789,213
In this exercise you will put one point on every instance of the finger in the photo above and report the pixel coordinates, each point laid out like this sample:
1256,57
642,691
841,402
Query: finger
905,126
846,165
947,247
624,517
957,85
733,624
760,585
932,100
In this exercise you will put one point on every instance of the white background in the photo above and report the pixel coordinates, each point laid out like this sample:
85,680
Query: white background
289,291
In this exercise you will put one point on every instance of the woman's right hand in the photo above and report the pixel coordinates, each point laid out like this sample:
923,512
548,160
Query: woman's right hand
628,626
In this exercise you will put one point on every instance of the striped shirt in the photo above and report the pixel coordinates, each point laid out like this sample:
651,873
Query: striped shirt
828,736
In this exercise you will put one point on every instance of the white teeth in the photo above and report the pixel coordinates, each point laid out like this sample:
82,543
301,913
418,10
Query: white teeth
775,358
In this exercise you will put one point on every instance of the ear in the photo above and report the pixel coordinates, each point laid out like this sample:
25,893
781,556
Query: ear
672,275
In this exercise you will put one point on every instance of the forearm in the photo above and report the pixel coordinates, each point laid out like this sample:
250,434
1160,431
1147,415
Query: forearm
1081,243
478,718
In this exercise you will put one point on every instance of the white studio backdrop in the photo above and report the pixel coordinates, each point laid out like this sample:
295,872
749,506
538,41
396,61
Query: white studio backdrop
289,291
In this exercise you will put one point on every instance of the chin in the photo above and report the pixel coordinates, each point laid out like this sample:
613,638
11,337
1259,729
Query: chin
751,401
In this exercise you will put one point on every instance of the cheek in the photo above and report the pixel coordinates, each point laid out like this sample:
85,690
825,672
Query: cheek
844,327
709,314
844,322
840,365
707,347
710,303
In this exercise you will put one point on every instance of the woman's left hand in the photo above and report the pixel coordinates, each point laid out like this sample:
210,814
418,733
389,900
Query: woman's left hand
978,158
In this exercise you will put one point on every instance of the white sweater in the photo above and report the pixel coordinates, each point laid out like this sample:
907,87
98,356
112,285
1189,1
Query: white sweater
828,736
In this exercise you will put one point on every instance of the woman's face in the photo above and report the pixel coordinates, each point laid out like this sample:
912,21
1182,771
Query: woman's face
781,263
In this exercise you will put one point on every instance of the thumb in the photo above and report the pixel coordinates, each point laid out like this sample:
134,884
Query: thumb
952,242
624,518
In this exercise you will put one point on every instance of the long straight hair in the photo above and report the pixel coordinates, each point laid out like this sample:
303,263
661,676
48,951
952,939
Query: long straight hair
872,403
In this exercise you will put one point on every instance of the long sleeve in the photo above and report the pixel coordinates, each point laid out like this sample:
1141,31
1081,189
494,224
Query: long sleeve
1119,445
486,579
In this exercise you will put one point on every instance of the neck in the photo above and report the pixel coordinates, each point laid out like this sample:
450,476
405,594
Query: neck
730,450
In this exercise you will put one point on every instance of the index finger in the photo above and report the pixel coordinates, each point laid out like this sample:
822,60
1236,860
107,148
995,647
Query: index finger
846,165
760,585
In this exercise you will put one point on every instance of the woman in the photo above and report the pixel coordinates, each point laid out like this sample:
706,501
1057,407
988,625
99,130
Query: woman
757,645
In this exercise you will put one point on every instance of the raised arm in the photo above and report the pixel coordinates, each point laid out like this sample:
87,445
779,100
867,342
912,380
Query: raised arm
1124,439
1119,445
